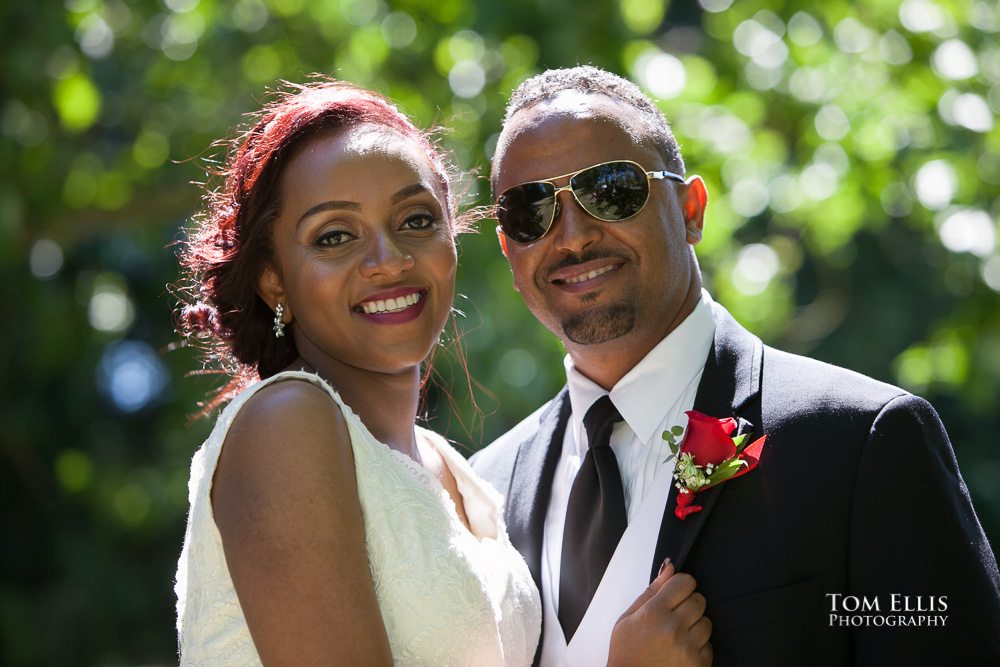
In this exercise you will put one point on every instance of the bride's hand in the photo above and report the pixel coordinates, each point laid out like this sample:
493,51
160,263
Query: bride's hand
666,625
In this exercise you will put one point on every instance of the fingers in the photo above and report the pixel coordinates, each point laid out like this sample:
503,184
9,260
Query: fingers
674,591
692,607
684,616
665,625
666,571
701,631
706,655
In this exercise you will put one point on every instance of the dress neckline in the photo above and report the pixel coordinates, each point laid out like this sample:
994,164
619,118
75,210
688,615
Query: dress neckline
434,485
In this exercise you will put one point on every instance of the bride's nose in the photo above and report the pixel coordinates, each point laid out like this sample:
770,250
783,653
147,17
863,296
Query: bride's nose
385,255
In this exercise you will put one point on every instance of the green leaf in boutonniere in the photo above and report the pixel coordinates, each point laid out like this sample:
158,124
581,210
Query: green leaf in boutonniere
671,438
725,471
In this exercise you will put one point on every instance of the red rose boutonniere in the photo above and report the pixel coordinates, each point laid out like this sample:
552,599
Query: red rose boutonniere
708,455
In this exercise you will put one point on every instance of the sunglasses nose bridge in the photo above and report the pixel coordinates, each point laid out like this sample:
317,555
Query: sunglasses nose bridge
555,193
569,187
572,228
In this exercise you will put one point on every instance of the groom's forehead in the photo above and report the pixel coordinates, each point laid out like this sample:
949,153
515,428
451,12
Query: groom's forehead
544,124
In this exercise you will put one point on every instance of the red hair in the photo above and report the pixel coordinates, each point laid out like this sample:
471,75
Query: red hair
230,243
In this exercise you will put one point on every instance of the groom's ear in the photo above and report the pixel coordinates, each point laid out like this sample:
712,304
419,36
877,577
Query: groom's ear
694,199
503,241
503,246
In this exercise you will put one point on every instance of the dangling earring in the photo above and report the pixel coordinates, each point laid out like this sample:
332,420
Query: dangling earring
279,326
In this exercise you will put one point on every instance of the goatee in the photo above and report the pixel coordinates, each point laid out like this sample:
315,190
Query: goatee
601,325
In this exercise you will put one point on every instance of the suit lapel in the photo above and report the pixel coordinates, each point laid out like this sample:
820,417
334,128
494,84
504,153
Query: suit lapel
531,483
729,387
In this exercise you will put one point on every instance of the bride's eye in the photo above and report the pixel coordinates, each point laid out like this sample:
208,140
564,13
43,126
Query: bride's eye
419,221
334,237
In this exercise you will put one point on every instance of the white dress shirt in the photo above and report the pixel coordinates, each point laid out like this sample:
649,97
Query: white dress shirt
652,397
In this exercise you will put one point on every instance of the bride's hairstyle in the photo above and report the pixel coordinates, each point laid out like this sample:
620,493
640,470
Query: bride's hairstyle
229,244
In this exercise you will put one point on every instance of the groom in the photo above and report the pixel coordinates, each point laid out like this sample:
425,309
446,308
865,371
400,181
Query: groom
852,541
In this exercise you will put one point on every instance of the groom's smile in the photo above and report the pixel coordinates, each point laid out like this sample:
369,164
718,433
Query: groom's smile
583,275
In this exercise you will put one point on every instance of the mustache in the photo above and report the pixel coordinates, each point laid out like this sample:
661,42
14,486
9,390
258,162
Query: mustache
584,257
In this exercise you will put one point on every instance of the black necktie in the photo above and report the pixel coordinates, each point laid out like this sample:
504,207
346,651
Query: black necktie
595,518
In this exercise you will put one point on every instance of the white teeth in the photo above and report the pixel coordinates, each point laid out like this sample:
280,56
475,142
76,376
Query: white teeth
390,305
587,276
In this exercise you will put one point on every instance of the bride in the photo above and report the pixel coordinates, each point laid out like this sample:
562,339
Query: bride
326,527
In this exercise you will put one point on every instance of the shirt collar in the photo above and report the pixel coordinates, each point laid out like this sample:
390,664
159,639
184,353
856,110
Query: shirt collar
654,384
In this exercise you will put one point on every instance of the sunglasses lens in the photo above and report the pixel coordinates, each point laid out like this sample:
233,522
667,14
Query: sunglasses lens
525,211
613,191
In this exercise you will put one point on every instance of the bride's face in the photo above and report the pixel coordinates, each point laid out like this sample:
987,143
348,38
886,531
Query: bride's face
364,251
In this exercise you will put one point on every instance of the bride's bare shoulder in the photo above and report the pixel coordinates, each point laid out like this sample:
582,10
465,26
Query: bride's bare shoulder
290,407
288,434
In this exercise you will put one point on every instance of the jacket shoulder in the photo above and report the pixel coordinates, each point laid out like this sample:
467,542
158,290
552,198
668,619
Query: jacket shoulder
807,384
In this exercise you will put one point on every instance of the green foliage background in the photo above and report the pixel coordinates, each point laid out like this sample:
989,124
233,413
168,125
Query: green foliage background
851,151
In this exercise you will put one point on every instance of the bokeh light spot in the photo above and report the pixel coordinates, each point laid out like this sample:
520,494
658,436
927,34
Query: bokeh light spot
853,36
518,367
715,6
26,126
95,37
74,470
991,273
935,184
110,310
832,123
46,259
971,112
750,197
954,60
756,266
399,30
969,230
181,6
661,74
78,102
132,503
784,193
249,15
804,30
131,375
894,48
150,150
466,78
819,181
896,199
359,12
642,16
921,15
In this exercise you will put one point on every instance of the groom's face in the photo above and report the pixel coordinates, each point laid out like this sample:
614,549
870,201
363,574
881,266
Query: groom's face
592,282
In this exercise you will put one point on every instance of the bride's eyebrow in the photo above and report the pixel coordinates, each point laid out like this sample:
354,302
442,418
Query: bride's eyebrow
332,205
408,191
342,205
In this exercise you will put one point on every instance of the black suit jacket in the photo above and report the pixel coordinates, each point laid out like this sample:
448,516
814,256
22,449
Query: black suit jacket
855,518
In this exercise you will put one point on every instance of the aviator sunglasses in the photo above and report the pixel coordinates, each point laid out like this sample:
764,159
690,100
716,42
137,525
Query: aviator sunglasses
610,191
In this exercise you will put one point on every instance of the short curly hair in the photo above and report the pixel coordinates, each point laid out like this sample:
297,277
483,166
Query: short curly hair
230,242
594,81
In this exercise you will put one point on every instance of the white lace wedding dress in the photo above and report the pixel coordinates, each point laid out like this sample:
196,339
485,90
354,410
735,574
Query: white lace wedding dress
447,596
